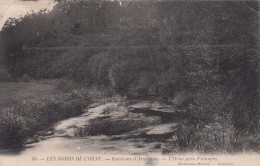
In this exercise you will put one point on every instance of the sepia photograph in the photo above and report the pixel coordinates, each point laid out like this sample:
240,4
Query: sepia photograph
129,82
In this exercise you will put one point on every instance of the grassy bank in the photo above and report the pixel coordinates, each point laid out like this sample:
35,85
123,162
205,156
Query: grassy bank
27,108
14,91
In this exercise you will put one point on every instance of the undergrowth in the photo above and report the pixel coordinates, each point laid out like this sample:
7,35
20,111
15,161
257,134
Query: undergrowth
22,119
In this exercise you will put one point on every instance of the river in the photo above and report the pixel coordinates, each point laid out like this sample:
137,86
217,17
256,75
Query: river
107,129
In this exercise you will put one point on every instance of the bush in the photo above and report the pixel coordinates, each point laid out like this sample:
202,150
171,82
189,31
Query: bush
11,135
212,103
26,78
183,99
4,76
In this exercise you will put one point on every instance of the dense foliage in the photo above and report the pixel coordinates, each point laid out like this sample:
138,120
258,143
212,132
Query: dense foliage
200,56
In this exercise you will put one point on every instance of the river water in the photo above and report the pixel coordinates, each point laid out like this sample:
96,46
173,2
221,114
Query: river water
64,140
66,136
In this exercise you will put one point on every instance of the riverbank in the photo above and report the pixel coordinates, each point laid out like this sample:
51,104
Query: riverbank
109,128
27,108
59,116
35,117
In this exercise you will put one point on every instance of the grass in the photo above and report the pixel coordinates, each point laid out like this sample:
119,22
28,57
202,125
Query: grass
19,91
27,108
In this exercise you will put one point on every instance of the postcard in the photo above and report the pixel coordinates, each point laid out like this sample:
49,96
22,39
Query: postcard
129,82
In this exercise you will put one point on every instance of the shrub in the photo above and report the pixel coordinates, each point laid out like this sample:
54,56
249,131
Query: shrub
212,103
26,78
11,135
4,76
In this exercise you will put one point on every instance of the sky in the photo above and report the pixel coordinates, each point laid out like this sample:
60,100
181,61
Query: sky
18,8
